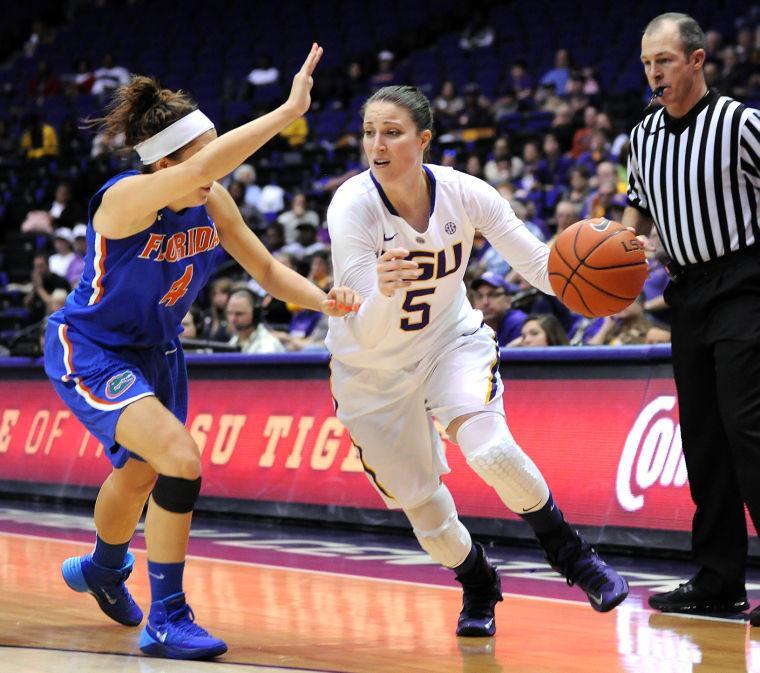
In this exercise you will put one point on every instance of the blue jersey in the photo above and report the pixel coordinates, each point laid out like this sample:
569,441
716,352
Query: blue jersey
135,291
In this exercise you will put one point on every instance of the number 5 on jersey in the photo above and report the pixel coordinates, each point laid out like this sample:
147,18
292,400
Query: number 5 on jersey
178,288
422,307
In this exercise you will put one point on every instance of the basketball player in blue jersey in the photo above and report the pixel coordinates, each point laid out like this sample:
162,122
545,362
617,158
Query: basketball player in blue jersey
401,235
113,352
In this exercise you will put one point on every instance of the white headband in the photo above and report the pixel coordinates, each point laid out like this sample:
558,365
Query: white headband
174,136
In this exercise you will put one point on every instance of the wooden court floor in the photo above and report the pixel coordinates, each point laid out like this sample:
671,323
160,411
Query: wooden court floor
276,619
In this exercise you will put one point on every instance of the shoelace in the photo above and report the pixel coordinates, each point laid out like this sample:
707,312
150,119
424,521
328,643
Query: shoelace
589,576
122,586
183,619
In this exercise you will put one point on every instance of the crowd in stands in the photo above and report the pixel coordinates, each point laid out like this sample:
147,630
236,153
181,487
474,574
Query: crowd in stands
552,143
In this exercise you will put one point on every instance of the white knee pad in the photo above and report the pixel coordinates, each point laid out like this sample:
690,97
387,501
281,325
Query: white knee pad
493,453
439,531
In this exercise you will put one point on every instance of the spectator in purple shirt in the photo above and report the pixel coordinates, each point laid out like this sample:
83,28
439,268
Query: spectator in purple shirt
520,81
554,167
492,296
654,286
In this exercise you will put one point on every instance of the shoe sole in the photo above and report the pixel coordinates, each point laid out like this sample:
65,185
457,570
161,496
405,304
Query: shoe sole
71,570
471,629
149,645
474,632
705,607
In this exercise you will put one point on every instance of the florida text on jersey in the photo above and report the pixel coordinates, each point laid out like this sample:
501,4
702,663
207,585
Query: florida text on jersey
135,291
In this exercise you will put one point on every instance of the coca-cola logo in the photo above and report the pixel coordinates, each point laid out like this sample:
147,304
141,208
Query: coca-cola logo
652,453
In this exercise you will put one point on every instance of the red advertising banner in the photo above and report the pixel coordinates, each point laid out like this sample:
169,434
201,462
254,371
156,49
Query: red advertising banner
610,449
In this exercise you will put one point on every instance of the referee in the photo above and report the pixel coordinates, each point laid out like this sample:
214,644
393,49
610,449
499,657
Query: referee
694,173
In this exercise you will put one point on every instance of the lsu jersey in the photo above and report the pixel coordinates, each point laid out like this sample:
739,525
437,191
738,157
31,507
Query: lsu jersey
135,291
434,310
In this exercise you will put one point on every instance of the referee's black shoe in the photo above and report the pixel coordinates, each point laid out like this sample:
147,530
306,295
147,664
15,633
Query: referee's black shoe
692,596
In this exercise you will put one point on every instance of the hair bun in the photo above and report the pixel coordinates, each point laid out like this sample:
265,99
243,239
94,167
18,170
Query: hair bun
142,93
142,108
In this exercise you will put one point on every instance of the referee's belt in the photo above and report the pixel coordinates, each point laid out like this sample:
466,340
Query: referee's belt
679,272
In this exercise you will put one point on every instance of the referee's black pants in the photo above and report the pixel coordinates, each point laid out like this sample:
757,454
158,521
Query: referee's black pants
716,362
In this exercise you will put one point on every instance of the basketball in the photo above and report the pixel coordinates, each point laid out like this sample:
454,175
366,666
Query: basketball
597,267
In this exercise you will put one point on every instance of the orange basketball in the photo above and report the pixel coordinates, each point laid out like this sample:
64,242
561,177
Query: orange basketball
597,267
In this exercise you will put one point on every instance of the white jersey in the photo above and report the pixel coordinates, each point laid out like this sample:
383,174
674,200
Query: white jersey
398,332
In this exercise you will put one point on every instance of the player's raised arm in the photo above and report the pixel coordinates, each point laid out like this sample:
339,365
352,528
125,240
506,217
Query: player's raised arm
128,205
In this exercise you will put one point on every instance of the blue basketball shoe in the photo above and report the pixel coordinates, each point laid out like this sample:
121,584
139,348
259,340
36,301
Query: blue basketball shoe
481,592
82,574
171,632
579,563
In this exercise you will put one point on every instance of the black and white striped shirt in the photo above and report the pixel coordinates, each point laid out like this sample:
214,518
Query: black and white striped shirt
698,177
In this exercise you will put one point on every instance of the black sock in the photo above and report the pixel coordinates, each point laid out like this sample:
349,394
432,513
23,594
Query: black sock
546,520
551,529
470,564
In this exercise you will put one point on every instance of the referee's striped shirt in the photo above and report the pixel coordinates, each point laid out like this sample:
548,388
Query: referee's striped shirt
698,178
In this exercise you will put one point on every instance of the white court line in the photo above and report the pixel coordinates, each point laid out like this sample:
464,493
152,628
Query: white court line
563,601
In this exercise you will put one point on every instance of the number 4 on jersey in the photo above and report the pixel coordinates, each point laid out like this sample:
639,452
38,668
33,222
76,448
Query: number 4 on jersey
178,288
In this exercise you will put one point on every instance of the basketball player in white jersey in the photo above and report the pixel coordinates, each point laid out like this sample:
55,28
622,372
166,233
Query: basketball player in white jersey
401,235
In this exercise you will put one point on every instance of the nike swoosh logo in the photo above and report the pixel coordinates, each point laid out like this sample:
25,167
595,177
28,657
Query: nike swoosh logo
157,577
487,625
530,508
596,600
111,601
388,238
161,636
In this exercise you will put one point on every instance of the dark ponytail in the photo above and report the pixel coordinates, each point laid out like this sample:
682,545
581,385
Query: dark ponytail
142,108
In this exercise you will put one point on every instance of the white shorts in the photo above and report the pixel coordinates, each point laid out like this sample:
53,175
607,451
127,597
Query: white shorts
388,413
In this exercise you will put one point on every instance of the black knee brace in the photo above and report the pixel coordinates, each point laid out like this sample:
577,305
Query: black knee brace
176,495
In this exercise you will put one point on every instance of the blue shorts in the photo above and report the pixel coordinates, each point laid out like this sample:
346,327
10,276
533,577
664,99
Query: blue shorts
97,383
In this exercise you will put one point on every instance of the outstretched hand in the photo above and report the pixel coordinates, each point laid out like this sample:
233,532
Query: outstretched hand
394,271
300,92
341,301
